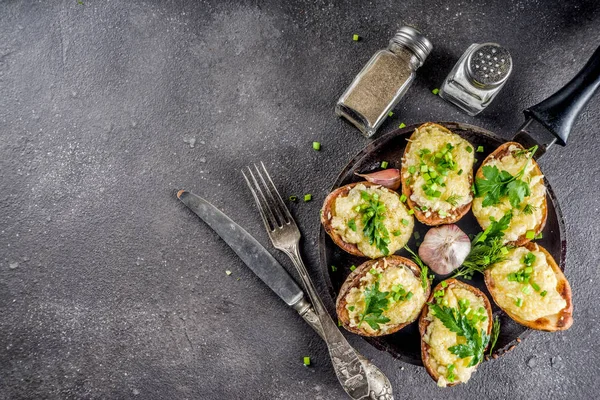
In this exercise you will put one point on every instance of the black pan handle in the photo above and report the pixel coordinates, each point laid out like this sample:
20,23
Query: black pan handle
558,112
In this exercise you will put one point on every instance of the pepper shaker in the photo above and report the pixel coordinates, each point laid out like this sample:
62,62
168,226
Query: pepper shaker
477,77
383,81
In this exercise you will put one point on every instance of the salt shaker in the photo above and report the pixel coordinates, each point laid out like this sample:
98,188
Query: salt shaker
477,77
383,81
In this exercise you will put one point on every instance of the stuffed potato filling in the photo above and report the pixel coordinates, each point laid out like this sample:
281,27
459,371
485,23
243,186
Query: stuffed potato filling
525,285
438,167
373,218
513,184
386,297
457,334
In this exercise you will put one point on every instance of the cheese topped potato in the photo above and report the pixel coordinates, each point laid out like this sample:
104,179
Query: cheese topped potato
367,220
530,287
510,181
382,296
452,355
437,174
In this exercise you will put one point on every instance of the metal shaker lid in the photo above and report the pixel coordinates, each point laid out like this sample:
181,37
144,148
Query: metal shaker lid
414,40
489,64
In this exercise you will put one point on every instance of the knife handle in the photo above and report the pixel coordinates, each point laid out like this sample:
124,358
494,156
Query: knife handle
380,386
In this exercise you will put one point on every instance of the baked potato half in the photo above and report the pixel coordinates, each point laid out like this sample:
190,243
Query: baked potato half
529,213
445,352
396,282
351,213
437,174
530,287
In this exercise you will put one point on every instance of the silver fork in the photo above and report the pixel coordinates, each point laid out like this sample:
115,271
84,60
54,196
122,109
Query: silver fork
285,235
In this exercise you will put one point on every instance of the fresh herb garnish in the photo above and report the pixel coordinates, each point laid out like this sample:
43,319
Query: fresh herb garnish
450,373
495,334
529,209
373,214
498,184
453,200
352,225
376,302
425,277
400,294
462,321
487,248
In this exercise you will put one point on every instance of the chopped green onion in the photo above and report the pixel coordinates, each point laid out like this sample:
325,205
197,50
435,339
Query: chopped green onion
405,222
530,235
397,233
412,169
333,268
435,91
535,286
352,267
479,149
539,236
444,284
384,164
519,302
469,149
293,198
390,114
460,171
307,197
403,198
526,289
339,323
228,272
373,271
417,235
442,213
402,125
355,37
317,146
544,293
306,361
424,168
350,308
411,212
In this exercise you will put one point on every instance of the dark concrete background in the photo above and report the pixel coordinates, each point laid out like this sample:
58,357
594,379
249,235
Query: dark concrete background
109,288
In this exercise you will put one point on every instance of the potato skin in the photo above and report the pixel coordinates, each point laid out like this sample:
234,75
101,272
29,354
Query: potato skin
327,214
434,218
424,323
353,280
557,322
500,152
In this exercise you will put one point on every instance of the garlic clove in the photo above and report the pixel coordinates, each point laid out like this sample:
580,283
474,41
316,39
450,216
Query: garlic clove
389,178
445,248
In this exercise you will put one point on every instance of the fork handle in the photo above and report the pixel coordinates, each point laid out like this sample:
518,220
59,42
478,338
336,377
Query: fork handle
348,368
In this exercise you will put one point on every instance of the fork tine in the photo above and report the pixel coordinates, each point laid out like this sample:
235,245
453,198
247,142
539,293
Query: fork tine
279,200
267,219
275,207
275,218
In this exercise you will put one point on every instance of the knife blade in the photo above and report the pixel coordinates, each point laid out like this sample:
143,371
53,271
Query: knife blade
252,253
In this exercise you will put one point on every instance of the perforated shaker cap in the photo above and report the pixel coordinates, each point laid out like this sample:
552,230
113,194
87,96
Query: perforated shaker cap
489,64
414,40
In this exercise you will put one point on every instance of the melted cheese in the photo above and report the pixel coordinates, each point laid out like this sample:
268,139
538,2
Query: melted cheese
396,211
398,313
440,338
435,140
534,306
520,222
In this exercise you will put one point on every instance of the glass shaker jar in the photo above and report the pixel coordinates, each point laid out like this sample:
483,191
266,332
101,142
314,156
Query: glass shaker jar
383,81
477,77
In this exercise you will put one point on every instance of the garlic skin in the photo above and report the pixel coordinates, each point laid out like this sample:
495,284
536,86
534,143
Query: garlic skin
389,178
445,248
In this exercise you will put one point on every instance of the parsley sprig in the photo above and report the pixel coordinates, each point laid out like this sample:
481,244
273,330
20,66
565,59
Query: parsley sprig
462,321
376,302
487,248
499,184
373,214
425,277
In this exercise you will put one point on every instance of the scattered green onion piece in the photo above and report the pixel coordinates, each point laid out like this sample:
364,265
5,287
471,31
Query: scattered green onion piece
384,164
519,302
390,114
469,149
412,169
417,235
479,149
307,197
339,323
352,267
460,171
539,236
411,212
405,222
526,289
403,198
402,125
435,91
424,168
351,308
442,213
544,293
397,233
317,146
355,37
333,268
228,272
294,198
306,361
535,286
530,235
444,284
504,250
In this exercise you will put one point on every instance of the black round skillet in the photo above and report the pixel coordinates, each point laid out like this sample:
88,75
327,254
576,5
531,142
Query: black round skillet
554,115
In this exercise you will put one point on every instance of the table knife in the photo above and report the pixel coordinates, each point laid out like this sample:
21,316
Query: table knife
268,269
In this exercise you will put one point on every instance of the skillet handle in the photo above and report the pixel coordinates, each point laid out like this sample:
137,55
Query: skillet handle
558,112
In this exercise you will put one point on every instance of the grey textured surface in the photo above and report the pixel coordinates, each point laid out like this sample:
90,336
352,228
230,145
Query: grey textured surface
110,288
